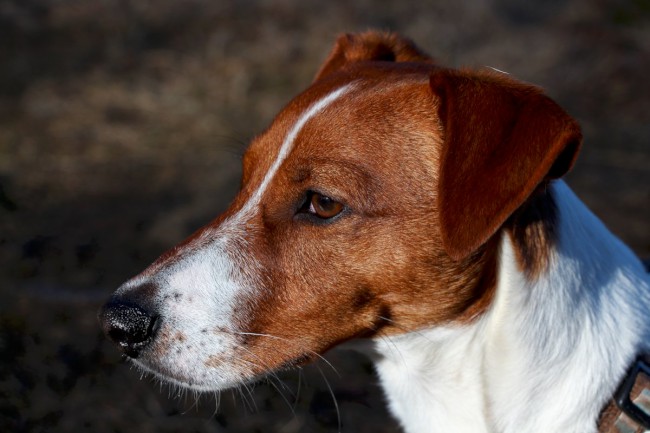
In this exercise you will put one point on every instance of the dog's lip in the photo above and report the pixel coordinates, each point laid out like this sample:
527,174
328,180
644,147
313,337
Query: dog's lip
298,361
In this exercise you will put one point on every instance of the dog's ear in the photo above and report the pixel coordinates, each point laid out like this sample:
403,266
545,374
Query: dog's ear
501,140
370,46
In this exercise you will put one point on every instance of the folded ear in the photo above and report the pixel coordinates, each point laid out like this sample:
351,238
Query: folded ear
502,139
370,46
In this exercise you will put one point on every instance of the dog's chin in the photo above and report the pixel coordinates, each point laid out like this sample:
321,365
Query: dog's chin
175,378
220,381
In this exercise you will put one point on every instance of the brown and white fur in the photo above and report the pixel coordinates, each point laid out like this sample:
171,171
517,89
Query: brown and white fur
503,304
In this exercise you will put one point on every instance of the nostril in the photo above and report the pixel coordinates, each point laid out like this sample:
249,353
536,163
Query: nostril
128,325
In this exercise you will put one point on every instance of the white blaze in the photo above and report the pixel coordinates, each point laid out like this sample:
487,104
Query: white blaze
289,141
199,292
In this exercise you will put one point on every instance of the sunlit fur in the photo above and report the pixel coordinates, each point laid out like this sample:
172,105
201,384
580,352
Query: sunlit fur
201,288
471,328
548,353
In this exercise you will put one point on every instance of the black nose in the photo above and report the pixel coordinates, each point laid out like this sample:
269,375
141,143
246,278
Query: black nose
128,325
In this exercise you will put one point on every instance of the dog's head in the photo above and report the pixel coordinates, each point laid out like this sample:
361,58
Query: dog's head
369,206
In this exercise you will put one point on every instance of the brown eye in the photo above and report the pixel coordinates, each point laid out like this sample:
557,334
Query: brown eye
323,206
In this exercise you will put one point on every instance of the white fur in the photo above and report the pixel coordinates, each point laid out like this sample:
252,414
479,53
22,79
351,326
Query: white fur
288,144
197,293
548,353
196,298
543,358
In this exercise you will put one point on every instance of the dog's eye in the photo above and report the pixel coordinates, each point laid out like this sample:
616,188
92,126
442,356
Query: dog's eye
322,206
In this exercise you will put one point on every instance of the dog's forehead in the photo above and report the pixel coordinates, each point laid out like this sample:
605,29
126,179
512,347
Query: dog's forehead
373,93
350,114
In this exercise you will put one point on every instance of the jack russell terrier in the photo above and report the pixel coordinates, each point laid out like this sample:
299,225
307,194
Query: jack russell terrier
399,199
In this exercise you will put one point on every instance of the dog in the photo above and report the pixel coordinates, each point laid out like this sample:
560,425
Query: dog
399,199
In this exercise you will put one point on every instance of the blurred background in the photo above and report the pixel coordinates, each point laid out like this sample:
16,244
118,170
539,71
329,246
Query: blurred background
122,124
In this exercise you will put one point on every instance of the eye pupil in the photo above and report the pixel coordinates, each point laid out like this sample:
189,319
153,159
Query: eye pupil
324,202
324,207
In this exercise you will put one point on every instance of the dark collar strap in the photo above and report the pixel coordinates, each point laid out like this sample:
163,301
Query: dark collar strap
629,410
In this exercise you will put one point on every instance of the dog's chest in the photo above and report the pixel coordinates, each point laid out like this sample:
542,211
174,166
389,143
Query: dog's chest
431,383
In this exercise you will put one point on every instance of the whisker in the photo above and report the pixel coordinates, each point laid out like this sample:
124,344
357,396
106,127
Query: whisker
194,405
278,381
197,399
336,404
251,362
286,400
297,344
217,403
249,389
297,396
414,331
233,397
251,406
390,343
261,365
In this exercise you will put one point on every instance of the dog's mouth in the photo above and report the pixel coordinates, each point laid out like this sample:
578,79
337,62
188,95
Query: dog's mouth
297,362
195,350
212,361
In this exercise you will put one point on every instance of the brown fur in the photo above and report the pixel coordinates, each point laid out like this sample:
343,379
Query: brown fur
430,164
370,46
532,231
502,139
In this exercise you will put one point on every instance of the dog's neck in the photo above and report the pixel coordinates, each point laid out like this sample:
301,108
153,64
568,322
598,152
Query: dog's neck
548,353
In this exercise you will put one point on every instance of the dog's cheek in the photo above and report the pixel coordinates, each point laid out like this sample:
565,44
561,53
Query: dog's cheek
309,301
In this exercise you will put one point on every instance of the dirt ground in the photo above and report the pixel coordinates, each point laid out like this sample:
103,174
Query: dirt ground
122,123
